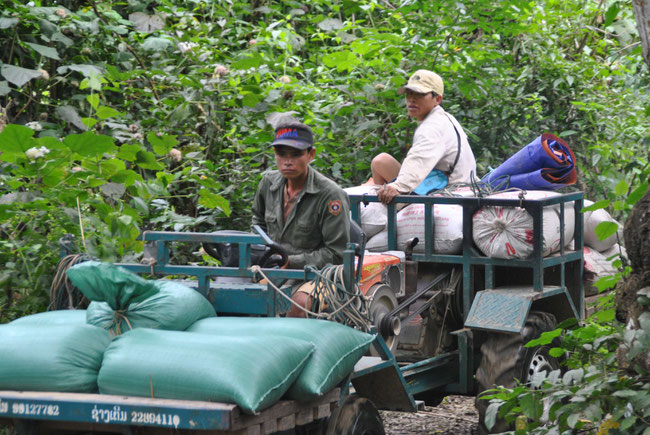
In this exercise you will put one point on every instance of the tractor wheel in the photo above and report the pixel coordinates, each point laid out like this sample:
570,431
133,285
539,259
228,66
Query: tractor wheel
505,359
356,416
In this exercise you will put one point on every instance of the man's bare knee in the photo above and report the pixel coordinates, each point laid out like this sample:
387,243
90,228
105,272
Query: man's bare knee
301,299
384,168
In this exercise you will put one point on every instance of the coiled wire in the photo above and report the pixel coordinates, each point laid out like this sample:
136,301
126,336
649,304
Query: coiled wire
63,294
350,308
330,299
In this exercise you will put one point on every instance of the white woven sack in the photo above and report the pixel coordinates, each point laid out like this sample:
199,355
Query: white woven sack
597,264
591,220
448,227
617,250
379,242
507,232
373,216
596,267
447,236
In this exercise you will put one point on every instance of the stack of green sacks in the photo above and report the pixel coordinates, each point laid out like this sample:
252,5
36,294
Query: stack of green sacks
252,362
51,357
121,300
60,317
253,372
337,347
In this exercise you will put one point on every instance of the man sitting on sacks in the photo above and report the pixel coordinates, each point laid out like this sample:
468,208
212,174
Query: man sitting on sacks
440,153
299,208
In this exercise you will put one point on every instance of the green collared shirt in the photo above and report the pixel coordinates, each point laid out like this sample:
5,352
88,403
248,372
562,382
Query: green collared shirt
318,226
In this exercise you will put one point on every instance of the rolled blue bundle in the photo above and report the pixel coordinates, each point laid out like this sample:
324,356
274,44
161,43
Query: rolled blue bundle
547,163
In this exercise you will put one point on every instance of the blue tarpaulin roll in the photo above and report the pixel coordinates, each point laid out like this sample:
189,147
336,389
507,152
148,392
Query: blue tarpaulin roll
547,163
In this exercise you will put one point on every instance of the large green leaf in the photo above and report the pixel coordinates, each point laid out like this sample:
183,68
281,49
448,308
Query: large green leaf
69,114
251,100
212,200
247,61
329,24
17,75
87,70
16,139
53,177
60,37
597,205
6,23
342,60
622,187
4,88
129,152
605,229
104,112
113,190
154,43
531,406
162,144
637,194
147,160
45,51
146,23
89,144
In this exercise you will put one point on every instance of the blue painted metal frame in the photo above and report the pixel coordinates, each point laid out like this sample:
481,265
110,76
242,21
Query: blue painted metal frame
246,298
453,372
119,410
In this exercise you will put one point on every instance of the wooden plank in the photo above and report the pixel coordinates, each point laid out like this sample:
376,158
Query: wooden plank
270,426
305,416
323,411
288,422
285,408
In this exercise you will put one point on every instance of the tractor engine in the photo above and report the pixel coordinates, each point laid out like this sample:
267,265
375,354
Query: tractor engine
414,307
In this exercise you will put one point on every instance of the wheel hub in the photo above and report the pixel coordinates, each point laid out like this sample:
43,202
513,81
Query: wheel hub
540,363
383,302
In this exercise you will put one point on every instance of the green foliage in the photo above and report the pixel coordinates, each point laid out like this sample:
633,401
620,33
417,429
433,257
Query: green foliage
592,393
154,113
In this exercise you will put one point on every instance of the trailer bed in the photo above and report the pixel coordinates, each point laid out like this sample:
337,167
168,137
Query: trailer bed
42,412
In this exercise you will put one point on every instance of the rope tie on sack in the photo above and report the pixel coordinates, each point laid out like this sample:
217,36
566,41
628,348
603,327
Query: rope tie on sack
119,316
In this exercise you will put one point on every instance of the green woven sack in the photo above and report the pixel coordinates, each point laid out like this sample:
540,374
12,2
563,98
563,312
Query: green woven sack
337,347
249,371
105,282
174,307
60,317
51,357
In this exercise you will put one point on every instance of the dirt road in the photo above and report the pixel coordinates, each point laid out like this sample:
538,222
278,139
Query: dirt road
456,415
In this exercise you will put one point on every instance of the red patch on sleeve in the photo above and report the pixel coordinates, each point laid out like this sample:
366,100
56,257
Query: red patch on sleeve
334,207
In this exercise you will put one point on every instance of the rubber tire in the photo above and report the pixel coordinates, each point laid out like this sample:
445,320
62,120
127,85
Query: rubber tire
505,359
356,416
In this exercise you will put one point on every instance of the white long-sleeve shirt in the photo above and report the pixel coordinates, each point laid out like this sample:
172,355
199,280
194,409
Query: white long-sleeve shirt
435,146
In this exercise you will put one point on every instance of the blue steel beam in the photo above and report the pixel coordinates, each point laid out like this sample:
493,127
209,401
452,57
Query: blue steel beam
106,409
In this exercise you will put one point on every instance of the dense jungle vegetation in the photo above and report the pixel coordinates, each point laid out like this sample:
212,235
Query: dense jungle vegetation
117,117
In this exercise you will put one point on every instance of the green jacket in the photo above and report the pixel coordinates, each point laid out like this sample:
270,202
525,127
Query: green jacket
318,226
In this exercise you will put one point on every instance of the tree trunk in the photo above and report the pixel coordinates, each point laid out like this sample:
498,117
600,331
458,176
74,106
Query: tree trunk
637,244
642,14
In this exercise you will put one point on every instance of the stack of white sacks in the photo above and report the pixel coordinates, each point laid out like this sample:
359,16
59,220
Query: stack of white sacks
499,232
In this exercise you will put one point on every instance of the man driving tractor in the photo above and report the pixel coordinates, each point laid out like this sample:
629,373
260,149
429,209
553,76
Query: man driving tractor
301,209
